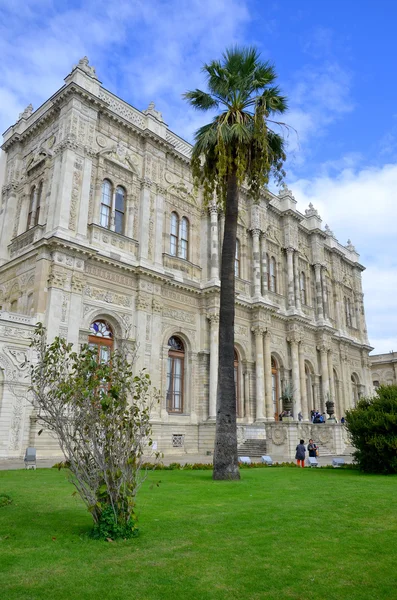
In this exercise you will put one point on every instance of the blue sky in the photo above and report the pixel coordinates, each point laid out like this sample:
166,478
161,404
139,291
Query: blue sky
336,63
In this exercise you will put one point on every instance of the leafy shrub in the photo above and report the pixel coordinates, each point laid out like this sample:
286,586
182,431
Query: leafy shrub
109,528
373,429
5,500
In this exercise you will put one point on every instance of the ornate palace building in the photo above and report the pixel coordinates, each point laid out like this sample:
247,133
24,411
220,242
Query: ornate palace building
102,237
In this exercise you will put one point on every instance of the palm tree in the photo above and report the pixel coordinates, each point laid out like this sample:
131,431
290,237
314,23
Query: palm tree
237,147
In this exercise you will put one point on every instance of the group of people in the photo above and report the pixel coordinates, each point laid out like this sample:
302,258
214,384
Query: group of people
300,455
317,417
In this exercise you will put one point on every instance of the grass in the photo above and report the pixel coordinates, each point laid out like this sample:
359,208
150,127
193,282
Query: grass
279,533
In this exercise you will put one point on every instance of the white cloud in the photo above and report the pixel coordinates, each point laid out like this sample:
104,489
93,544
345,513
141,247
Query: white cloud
142,50
360,204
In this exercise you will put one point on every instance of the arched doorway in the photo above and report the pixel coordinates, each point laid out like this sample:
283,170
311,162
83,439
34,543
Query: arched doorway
310,388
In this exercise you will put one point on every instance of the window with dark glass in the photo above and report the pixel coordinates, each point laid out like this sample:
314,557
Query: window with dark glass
272,280
237,260
38,205
106,204
302,282
184,241
119,210
175,375
174,234
30,211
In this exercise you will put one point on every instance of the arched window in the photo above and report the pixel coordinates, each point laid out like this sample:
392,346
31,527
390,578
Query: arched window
237,261
31,205
302,285
119,210
184,238
275,389
101,339
237,382
174,234
39,199
106,203
272,279
175,375
375,384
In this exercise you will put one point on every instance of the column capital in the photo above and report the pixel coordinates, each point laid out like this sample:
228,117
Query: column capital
258,330
213,209
255,232
213,317
146,182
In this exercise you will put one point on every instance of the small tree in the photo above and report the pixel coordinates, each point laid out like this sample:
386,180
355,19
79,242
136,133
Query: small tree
99,412
373,429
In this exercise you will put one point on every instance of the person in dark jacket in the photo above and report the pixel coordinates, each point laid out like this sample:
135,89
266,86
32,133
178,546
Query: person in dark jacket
300,453
312,449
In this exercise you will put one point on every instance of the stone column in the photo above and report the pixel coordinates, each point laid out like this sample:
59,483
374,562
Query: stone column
296,386
290,277
264,265
302,376
324,295
256,261
331,378
324,376
214,242
214,353
319,292
297,282
260,399
268,379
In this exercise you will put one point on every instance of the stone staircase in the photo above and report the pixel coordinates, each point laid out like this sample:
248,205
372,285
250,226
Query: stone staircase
252,448
323,449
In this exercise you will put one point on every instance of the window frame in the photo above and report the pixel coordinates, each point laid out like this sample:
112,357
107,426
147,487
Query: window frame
184,241
118,211
102,213
302,288
174,233
30,209
237,259
173,356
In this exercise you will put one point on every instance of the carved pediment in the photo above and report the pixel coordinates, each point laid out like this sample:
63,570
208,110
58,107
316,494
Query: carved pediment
119,155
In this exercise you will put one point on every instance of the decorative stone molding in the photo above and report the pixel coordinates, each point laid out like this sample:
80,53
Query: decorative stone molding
77,283
57,277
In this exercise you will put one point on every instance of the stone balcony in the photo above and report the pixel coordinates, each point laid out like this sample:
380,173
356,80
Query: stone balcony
115,245
21,243
185,267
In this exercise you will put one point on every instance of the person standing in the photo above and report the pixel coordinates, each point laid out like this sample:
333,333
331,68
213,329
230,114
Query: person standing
312,449
300,453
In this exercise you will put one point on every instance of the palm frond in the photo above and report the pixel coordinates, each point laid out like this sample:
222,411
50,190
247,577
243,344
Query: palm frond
200,100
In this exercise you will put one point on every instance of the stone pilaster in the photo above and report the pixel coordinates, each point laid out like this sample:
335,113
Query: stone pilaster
214,243
319,293
296,386
268,379
264,265
302,376
297,282
214,354
324,375
256,262
260,399
290,278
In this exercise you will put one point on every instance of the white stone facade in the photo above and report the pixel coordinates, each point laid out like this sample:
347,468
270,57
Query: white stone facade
72,253
384,369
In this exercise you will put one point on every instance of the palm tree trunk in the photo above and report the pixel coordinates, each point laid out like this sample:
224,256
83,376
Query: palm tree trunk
225,455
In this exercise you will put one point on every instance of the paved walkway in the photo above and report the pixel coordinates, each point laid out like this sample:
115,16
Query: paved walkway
17,463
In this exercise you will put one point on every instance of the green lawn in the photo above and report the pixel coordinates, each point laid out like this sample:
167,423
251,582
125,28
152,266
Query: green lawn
279,533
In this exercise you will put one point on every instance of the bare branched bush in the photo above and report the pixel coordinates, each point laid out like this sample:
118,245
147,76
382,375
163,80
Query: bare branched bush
100,414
